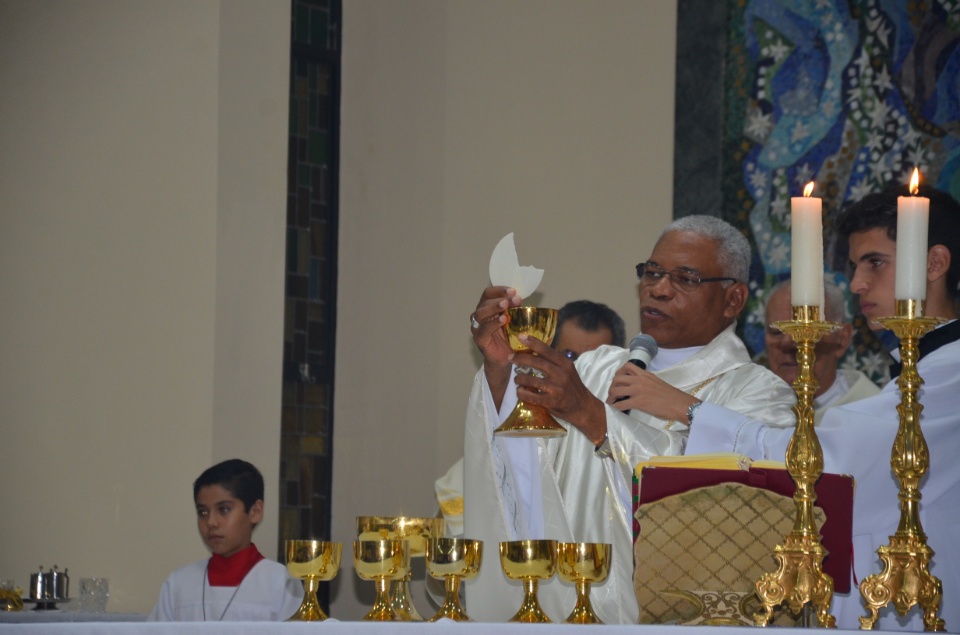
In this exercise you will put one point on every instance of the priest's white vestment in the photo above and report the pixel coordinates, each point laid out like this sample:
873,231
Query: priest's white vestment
857,386
857,439
583,497
266,594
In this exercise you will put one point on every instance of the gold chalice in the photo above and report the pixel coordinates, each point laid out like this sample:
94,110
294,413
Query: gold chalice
583,563
381,561
313,562
529,561
530,420
451,559
416,532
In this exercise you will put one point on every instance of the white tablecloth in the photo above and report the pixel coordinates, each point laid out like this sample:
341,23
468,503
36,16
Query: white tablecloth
30,616
333,627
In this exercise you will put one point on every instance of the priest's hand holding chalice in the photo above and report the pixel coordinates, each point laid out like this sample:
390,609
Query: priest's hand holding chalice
501,327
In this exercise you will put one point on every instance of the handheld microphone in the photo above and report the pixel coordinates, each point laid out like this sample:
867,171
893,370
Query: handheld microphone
643,348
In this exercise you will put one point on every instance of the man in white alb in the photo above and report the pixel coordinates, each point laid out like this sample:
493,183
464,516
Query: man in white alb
577,488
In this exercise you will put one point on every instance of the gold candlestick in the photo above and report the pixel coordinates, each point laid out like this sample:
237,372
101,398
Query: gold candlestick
799,578
906,580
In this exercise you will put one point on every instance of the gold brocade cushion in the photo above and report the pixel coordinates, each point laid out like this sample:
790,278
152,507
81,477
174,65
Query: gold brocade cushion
711,539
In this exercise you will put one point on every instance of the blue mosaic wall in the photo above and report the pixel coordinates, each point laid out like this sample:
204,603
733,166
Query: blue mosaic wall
852,94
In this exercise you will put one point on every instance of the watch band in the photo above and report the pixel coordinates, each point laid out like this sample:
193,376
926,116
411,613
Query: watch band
603,449
692,411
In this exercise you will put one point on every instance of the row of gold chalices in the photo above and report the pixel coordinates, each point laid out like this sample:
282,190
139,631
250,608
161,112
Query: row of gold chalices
531,561
452,560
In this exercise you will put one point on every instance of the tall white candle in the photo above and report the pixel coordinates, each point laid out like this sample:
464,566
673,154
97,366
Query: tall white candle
913,217
806,251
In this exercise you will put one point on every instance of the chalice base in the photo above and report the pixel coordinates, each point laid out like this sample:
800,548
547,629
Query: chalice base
451,608
905,581
309,610
401,602
799,579
381,610
530,611
529,420
583,611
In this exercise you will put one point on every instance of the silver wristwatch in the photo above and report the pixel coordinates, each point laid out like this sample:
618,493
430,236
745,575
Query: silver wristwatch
692,411
603,450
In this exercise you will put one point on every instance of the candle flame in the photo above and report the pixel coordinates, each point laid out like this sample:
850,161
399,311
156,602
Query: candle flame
808,190
915,181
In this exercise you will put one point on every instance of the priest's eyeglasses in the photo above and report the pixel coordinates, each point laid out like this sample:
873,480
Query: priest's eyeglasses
682,279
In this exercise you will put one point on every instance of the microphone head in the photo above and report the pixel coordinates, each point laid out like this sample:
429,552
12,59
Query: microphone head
646,343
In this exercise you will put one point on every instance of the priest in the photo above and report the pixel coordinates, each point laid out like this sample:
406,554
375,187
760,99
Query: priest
577,488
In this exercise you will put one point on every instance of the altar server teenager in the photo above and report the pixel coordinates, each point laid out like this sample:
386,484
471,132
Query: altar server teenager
857,438
236,584
577,488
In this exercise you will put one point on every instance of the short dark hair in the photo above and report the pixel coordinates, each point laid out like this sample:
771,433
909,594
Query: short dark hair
879,210
593,316
238,477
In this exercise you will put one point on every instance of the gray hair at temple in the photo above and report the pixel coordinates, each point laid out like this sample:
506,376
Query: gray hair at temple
733,249
834,299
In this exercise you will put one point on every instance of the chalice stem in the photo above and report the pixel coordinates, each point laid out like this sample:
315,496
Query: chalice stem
530,611
381,610
309,610
452,585
451,603
401,602
530,587
583,611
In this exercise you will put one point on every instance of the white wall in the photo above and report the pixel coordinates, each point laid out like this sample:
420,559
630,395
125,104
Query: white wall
142,196
142,154
462,121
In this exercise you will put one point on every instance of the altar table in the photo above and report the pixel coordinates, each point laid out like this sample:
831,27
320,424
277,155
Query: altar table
333,627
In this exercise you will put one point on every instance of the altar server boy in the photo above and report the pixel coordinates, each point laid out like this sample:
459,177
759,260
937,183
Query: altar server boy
236,583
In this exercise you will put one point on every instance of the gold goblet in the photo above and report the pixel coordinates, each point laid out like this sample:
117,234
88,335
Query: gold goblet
530,420
416,532
583,563
313,562
529,561
381,561
451,559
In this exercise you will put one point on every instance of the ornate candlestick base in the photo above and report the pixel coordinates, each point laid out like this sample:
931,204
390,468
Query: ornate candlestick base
906,580
799,578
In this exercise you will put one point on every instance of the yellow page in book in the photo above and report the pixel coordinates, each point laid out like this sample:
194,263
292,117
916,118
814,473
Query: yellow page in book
769,465
711,461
